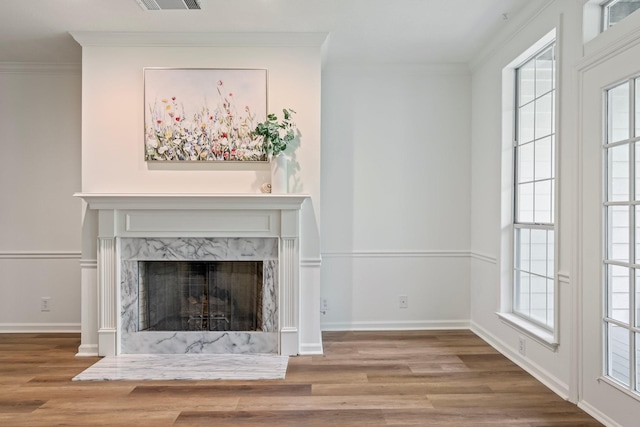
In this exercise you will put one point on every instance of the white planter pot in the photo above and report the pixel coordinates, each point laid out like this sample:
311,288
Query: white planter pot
279,178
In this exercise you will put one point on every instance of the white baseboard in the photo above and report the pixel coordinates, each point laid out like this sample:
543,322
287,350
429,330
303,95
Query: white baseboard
39,328
87,350
586,407
311,349
542,375
399,325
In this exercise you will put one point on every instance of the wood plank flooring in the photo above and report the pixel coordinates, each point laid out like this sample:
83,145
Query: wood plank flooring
421,378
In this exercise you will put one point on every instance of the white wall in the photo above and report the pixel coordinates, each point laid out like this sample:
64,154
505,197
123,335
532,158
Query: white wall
112,143
553,367
395,191
39,218
558,368
113,152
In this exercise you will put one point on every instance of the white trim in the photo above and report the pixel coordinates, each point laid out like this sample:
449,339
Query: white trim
108,280
311,263
542,375
539,334
40,255
564,278
399,325
619,387
170,39
87,350
30,328
39,68
444,69
311,349
185,201
519,22
201,222
509,195
577,295
484,258
399,254
89,263
609,50
591,410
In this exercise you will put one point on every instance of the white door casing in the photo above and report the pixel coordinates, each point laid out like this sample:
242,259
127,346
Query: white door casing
597,394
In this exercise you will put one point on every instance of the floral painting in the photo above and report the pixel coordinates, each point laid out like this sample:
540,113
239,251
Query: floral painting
204,114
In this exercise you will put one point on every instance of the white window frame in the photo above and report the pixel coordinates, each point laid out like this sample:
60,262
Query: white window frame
594,17
632,264
534,224
542,334
604,14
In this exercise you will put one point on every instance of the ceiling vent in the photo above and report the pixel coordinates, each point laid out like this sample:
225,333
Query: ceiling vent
169,4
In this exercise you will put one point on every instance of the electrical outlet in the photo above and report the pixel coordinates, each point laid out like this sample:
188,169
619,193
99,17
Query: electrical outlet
403,301
324,304
45,304
522,346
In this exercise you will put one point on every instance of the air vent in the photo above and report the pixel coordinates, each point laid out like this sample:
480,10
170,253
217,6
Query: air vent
169,4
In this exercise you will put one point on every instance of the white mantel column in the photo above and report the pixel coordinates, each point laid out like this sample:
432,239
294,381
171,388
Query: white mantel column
289,282
107,286
89,284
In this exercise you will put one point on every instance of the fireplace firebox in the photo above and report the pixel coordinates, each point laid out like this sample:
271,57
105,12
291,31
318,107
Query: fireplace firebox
200,295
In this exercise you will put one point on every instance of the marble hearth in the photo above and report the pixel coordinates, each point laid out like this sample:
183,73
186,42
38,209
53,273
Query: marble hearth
197,227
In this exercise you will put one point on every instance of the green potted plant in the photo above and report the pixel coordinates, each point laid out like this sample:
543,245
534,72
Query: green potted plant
276,135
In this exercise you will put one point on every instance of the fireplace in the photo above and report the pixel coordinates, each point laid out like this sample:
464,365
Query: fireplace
200,233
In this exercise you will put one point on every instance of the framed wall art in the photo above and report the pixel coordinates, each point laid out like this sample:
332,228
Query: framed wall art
204,114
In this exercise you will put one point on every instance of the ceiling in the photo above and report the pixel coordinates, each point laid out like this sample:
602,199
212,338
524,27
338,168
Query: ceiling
386,31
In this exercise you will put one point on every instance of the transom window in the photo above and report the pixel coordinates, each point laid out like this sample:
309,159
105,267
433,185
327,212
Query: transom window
622,234
614,11
534,178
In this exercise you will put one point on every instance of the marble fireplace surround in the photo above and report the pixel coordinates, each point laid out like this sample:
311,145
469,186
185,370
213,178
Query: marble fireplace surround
134,227
133,250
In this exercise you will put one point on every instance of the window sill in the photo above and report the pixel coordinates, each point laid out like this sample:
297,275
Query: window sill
535,332
620,387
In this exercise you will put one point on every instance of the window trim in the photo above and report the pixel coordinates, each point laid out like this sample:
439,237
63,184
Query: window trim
548,338
533,225
533,331
604,14
633,328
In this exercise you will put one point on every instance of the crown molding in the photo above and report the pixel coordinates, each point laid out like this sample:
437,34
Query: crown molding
516,24
39,68
444,69
180,39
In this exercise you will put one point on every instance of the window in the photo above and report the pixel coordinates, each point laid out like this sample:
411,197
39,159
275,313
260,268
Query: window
622,234
614,11
534,190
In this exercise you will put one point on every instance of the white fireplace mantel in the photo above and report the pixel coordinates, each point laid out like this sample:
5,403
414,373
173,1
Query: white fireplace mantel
192,201
196,215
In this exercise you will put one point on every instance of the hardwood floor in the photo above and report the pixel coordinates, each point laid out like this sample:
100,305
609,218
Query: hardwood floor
427,378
